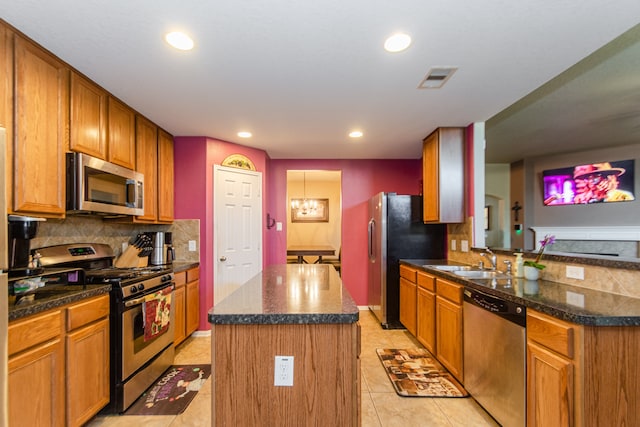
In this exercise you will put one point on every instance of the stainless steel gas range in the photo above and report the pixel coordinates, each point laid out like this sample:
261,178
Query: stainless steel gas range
142,316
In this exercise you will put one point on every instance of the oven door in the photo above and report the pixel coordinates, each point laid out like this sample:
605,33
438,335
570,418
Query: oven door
136,351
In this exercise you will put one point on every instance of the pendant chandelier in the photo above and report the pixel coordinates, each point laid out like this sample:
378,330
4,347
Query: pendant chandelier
307,206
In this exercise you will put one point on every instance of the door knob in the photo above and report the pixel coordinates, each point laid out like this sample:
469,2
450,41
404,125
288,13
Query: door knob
223,258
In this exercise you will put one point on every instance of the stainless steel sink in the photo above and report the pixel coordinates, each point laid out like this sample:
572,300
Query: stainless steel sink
451,267
481,274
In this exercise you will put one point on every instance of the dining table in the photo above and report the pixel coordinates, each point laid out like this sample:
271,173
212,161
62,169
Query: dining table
301,251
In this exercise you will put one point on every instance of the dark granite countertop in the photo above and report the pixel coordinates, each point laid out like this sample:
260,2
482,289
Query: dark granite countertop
179,266
51,297
288,294
571,303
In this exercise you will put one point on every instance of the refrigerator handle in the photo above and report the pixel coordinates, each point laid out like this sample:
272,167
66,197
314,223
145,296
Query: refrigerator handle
371,229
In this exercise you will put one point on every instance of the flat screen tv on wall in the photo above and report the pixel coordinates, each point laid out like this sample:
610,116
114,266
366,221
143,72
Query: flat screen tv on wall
592,183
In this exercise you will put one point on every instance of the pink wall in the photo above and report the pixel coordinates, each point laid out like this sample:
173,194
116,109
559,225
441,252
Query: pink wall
361,179
194,160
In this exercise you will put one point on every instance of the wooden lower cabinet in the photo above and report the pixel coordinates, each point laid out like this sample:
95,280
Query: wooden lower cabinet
59,365
187,304
449,344
426,311
408,298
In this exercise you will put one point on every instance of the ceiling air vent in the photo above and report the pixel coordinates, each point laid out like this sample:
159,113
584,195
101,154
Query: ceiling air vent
436,77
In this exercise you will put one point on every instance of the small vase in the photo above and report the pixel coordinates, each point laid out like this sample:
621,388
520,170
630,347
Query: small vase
531,273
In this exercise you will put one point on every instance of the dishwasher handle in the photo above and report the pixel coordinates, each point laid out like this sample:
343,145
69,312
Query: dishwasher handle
508,310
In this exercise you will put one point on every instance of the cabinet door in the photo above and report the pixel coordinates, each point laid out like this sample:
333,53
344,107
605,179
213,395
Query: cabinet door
180,321
165,177
408,305
6,101
88,117
36,386
87,372
121,132
549,388
430,179
193,306
147,164
426,318
449,336
41,130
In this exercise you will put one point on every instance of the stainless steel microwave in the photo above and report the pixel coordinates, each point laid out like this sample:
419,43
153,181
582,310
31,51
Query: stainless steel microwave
96,186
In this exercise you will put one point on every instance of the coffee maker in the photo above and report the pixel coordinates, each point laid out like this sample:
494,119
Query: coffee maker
21,230
163,251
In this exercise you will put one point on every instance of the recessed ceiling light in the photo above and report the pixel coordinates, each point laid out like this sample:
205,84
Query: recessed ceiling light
397,42
356,134
179,40
244,134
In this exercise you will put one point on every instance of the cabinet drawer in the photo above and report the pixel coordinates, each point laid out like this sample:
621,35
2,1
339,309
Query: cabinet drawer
34,330
86,312
408,273
552,333
193,274
426,281
181,278
450,291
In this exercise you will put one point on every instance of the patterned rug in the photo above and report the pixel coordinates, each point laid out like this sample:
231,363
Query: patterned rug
414,372
173,391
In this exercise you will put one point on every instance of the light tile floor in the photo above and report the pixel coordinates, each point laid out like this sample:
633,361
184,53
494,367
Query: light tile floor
381,406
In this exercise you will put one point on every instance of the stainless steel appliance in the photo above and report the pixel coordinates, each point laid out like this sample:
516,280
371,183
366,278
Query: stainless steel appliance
21,230
163,251
396,231
137,357
96,186
4,290
495,356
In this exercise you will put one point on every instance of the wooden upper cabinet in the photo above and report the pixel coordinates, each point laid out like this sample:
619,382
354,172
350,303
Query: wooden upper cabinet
41,130
121,138
6,100
147,161
88,117
443,169
165,177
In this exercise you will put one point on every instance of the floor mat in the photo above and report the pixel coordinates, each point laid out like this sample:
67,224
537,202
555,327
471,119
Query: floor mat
173,391
415,372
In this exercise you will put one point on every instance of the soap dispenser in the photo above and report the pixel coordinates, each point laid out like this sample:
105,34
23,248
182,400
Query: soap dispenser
519,265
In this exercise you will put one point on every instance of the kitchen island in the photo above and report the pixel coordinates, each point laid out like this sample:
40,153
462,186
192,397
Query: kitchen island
298,311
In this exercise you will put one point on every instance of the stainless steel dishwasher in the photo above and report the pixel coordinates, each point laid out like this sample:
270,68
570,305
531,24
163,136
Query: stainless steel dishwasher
495,356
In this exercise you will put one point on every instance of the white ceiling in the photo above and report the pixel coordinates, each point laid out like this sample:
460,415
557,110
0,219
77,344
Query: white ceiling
301,74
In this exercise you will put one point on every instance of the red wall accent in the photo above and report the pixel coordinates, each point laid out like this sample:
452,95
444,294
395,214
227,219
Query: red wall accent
361,179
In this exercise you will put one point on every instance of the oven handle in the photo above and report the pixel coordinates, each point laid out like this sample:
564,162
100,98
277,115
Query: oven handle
138,301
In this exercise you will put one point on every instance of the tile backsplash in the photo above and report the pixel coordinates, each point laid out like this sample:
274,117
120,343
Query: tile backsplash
89,229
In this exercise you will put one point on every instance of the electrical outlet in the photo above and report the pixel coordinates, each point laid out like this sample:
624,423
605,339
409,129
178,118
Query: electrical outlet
283,373
125,245
192,245
574,272
464,245
453,244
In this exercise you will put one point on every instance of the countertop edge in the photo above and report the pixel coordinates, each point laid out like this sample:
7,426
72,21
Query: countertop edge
282,319
180,266
558,310
18,313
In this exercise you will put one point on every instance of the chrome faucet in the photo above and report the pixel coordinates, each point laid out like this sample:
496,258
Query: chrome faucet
493,258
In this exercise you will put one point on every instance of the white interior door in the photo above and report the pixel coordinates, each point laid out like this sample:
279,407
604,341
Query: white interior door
237,218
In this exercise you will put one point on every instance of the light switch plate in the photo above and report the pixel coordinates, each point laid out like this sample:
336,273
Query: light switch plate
278,226
464,245
192,246
453,244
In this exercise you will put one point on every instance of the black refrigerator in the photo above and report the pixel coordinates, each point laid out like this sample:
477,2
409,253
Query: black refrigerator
396,231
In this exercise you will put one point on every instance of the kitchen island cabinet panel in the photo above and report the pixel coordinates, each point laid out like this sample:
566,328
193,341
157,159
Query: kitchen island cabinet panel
41,131
324,381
